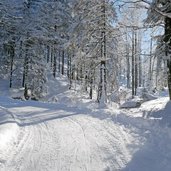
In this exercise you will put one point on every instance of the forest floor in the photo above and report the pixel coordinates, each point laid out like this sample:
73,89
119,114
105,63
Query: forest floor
80,136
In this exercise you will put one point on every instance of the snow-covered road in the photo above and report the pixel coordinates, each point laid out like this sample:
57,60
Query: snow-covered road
58,138
75,143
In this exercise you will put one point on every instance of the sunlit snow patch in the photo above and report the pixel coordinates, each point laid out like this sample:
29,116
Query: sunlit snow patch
8,132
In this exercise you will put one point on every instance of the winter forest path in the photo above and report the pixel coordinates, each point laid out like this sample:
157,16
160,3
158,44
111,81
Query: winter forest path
54,137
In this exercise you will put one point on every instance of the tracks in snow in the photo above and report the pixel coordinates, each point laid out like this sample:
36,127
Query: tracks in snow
75,143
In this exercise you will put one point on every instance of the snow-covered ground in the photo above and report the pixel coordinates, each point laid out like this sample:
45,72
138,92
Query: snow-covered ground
75,135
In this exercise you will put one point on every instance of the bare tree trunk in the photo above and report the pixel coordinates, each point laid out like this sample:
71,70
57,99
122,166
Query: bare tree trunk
21,50
128,64
133,66
140,70
54,65
102,85
70,70
68,64
91,85
150,65
169,77
136,65
48,53
63,59
139,61
51,56
59,61
12,54
25,71
168,50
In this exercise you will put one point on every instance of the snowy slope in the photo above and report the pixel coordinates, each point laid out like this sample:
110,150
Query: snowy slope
37,136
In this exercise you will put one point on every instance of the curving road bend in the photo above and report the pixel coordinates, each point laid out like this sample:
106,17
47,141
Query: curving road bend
79,142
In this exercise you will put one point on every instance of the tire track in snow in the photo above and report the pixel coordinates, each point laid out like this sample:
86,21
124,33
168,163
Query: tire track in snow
43,154
50,144
113,138
37,147
85,142
70,149
95,141
75,143
16,158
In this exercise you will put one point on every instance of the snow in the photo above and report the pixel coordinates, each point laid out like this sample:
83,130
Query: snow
57,137
131,103
74,134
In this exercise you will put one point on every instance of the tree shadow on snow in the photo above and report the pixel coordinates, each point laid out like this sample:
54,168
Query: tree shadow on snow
162,115
154,154
31,112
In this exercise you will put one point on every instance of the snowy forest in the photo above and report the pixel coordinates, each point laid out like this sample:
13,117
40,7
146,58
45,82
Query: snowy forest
102,45
85,85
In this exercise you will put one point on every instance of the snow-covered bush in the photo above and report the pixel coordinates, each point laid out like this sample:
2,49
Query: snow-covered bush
132,103
120,95
143,93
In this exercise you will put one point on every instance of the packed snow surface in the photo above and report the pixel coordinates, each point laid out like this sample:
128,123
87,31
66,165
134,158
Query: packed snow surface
37,136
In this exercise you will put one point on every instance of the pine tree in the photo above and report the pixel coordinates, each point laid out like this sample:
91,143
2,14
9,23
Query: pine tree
159,12
93,32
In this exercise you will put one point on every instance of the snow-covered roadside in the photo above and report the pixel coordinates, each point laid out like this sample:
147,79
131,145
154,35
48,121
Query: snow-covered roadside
60,137
154,121
8,137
